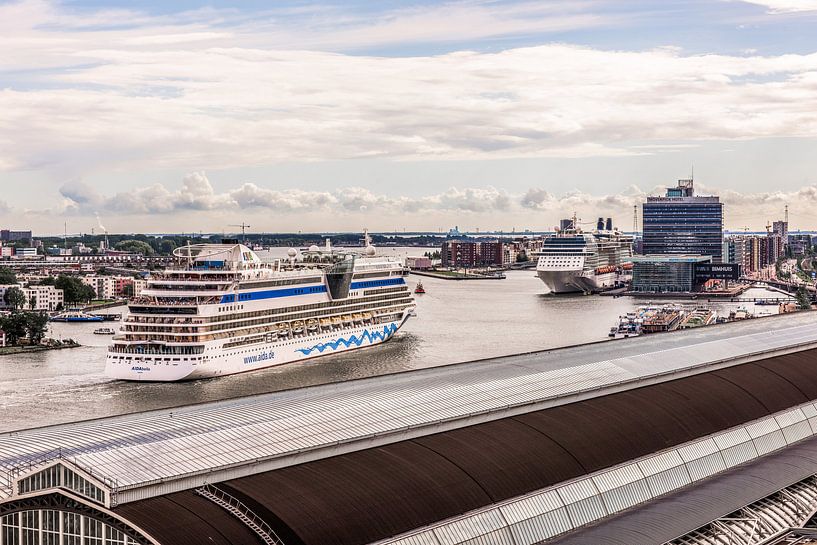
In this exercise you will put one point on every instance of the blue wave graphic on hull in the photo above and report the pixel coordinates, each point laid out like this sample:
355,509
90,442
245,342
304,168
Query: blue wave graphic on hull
387,332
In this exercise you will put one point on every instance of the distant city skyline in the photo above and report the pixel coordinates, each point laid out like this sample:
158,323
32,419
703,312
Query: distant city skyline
322,117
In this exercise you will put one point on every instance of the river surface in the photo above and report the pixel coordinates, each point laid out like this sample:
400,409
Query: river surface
456,321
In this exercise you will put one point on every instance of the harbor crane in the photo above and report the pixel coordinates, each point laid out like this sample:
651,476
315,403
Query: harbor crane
244,228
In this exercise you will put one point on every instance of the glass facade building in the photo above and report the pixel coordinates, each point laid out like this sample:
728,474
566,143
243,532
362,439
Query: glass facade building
683,224
665,274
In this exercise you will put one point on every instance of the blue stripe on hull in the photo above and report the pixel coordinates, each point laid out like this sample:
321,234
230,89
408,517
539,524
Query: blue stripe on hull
289,292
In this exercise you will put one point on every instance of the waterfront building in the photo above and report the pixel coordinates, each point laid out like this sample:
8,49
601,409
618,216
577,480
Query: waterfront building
781,228
104,286
742,252
7,235
469,253
139,284
759,253
418,263
799,243
775,247
665,273
729,250
25,252
44,298
56,250
682,223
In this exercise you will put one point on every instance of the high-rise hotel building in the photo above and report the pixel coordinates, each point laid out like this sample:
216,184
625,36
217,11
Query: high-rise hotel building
682,223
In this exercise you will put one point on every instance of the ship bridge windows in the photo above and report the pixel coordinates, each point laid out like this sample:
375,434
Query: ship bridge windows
286,282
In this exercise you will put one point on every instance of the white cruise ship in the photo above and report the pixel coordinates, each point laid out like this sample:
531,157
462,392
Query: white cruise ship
572,261
223,311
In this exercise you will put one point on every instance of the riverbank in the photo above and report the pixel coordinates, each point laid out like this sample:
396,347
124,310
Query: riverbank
25,349
457,275
101,306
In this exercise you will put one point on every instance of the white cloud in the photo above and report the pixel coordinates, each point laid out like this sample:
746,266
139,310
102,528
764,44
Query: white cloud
785,6
277,209
212,88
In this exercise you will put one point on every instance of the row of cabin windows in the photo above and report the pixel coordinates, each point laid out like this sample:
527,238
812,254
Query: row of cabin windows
224,332
336,307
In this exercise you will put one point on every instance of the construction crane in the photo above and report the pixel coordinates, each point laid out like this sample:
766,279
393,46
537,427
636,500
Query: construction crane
244,228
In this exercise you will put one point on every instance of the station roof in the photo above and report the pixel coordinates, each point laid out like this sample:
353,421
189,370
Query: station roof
690,508
143,454
370,495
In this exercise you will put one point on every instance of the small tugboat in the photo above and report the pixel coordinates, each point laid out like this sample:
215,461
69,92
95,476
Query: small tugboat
104,331
419,288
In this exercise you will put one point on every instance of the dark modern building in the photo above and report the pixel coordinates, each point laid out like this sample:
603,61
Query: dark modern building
15,236
462,253
682,223
663,273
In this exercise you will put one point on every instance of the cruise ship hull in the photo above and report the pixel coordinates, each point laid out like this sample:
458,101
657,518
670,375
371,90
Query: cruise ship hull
253,358
576,282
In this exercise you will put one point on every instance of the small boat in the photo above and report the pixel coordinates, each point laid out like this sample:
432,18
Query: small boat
419,288
104,331
312,324
326,323
297,327
357,317
347,319
336,321
76,316
283,329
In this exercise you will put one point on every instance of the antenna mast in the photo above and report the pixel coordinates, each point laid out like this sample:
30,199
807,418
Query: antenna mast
787,216
635,220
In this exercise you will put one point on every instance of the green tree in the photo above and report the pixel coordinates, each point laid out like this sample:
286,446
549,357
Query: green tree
36,325
167,246
32,302
803,299
136,246
86,293
14,325
127,290
15,298
74,290
7,276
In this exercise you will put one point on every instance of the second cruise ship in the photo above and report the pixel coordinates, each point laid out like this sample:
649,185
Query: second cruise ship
573,261
225,311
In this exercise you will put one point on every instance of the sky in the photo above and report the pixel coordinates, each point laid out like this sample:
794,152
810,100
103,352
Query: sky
318,116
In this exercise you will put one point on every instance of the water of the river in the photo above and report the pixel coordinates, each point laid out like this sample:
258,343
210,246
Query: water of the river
457,321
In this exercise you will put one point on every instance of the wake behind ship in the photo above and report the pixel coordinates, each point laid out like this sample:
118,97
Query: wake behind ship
573,261
225,311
